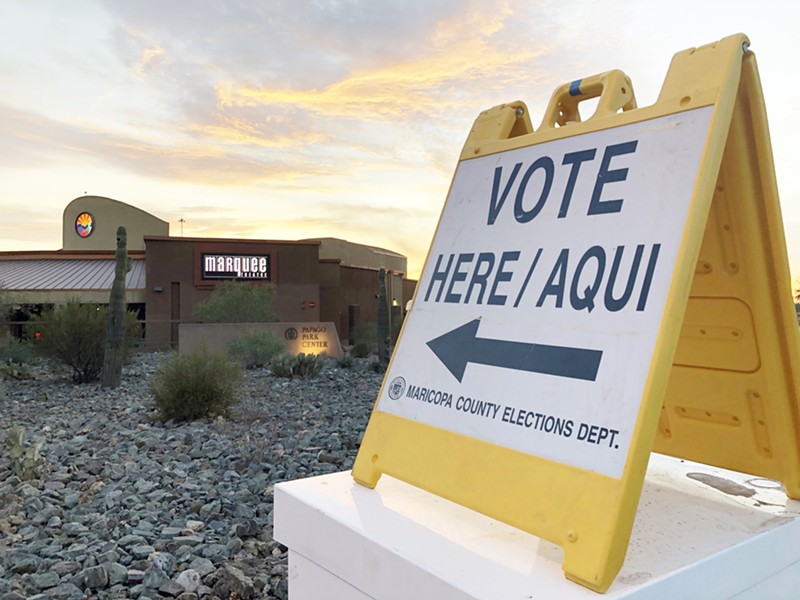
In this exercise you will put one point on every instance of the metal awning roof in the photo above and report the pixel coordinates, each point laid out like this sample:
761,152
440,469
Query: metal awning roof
67,274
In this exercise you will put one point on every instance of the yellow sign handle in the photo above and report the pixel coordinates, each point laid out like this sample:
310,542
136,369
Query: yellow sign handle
614,89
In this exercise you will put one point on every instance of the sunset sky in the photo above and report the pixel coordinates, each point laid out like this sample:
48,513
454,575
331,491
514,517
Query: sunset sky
343,118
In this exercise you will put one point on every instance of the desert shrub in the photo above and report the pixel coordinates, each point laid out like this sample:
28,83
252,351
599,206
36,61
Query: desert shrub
308,365
283,365
10,370
5,305
346,362
192,386
26,458
377,366
364,339
238,302
18,352
360,350
75,335
296,365
255,348
15,359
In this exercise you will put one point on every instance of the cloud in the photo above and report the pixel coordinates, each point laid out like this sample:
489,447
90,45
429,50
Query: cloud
289,75
305,44
151,59
233,93
31,140
457,55
24,226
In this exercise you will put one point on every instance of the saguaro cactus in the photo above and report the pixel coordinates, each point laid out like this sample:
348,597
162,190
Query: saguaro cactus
383,318
115,336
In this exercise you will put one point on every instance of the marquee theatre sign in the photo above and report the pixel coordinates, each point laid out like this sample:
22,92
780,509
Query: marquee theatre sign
597,289
247,267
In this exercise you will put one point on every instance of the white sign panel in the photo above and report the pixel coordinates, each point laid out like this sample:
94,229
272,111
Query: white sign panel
536,316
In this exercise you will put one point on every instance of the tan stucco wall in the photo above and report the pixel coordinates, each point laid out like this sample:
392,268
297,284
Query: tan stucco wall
108,214
359,255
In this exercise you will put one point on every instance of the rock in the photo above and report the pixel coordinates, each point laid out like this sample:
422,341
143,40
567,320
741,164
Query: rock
195,525
199,491
189,596
142,551
110,556
65,567
26,490
234,546
278,570
138,565
117,573
154,578
95,577
171,588
232,580
21,562
54,522
210,508
66,591
261,583
216,553
135,576
76,552
127,541
326,457
169,533
44,581
114,472
189,580
203,566
244,511
13,480
44,515
248,528
53,484
74,529
282,590
183,553
218,525
164,561
187,540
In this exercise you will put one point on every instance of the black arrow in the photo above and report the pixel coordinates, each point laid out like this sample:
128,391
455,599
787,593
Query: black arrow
461,346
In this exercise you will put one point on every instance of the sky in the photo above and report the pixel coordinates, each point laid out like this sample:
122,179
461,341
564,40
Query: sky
270,119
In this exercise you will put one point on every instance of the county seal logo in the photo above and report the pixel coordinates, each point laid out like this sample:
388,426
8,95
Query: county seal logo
397,387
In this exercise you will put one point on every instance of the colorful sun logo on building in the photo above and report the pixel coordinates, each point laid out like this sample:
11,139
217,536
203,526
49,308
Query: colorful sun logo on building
84,224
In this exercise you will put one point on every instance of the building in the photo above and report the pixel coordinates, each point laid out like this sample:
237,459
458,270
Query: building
315,279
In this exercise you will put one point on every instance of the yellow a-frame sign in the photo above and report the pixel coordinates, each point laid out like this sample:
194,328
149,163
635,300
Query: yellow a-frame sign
595,290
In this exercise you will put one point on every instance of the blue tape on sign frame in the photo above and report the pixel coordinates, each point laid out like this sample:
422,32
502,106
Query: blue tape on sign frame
575,88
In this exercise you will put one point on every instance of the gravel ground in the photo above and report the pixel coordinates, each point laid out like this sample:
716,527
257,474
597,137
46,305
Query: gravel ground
125,506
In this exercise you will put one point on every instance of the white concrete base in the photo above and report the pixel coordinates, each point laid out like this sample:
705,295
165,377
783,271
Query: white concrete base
700,533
